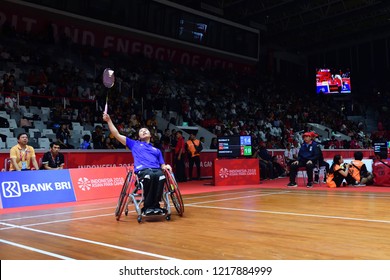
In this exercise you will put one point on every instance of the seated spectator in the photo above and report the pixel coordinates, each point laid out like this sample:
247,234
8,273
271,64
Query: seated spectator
359,172
265,162
63,137
214,143
108,144
53,159
338,173
98,138
86,145
278,169
290,154
22,155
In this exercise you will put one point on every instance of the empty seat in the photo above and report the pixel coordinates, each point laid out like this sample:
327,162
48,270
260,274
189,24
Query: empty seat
2,144
6,131
31,131
11,141
45,111
12,123
46,131
44,143
52,137
4,114
84,132
35,110
18,130
39,123
33,142
76,125
77,131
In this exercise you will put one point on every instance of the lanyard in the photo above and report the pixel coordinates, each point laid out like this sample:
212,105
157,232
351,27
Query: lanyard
22,154
54,159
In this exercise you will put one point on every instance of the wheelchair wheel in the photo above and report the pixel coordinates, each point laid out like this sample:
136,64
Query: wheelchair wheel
174,192
124,195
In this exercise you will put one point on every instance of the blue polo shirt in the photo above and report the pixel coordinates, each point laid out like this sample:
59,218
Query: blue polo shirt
145,155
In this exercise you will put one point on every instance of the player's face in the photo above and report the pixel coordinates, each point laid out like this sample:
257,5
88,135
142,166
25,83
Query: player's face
144,133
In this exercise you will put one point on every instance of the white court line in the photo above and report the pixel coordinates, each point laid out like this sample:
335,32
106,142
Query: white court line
293,214
57,213
35,250
223,194
239,197
56,221
92,242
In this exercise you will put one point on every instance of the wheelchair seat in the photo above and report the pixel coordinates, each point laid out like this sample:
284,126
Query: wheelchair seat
133,193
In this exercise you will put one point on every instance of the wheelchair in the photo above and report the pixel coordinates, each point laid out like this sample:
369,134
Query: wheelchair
132,192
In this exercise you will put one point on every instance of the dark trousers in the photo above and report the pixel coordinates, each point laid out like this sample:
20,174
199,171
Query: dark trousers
266,169
194,160
152,180
180,172
294,170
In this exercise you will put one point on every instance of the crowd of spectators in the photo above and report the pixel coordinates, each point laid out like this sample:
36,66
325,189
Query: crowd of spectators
67,78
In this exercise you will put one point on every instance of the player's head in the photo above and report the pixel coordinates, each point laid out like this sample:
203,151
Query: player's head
144,134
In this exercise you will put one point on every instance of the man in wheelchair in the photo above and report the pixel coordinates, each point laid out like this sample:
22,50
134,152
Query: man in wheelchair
148,164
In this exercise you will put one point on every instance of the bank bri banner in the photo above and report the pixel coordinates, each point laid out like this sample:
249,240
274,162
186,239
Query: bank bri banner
28,188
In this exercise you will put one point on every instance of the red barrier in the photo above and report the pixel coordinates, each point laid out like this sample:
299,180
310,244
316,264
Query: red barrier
236,172
97,183
123,158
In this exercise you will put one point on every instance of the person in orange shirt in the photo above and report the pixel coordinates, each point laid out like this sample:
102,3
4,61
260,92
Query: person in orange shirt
194,147
22,155
359,171
338,172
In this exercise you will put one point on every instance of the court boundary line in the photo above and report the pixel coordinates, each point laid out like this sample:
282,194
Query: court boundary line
62,257
294,214
92,242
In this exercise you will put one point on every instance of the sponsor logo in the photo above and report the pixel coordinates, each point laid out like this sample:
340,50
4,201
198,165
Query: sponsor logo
224,172
11,189
86,184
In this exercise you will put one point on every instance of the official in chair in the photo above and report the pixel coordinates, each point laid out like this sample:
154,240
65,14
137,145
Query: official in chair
308,156
148,164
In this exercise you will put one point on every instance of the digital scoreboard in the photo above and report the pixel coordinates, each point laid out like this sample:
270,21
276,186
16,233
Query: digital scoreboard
234,146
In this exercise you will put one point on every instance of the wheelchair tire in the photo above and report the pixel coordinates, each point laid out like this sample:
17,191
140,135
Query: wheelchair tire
124,196
174,192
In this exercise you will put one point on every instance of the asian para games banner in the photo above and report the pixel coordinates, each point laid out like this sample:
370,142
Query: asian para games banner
97,183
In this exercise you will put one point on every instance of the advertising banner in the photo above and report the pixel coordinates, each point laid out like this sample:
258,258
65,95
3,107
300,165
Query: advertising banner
27,188
236,172
97,183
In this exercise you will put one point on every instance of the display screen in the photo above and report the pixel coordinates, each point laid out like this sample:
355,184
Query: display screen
192,29
382,148
234,146
332,81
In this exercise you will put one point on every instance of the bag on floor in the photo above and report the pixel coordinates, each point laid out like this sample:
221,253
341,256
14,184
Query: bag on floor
381,171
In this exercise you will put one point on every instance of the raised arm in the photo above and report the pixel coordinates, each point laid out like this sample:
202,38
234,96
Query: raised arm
121,138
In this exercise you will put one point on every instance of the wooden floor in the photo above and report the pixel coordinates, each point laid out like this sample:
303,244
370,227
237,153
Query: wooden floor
243,224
